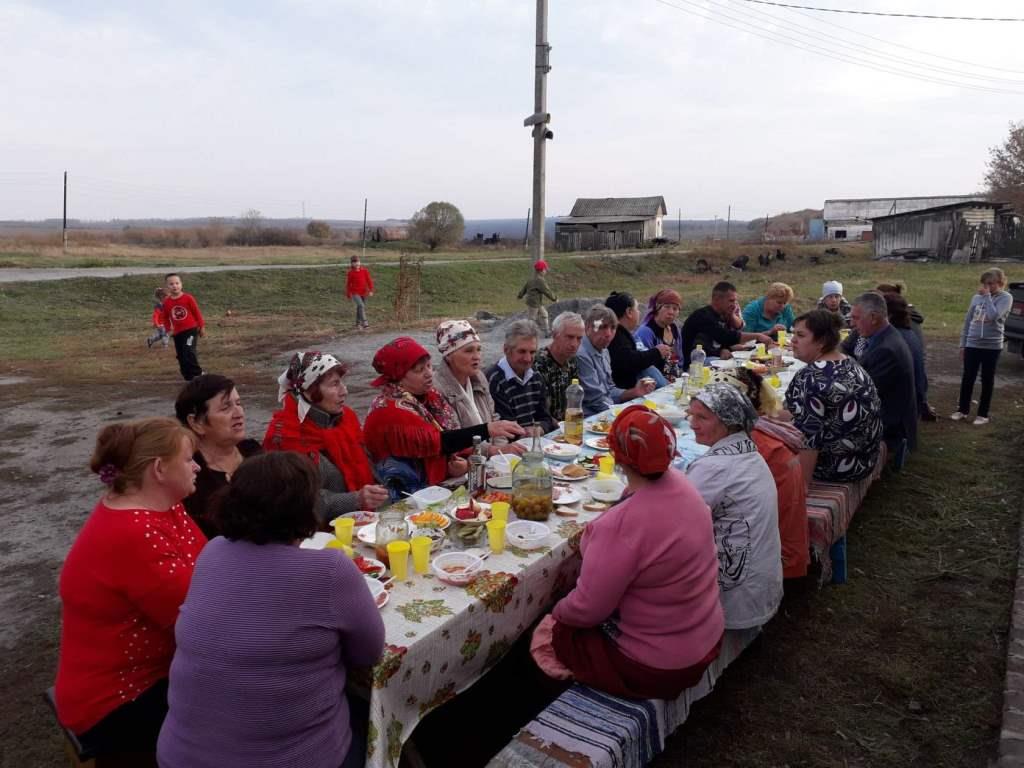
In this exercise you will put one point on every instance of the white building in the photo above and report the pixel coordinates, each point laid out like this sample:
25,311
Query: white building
851,219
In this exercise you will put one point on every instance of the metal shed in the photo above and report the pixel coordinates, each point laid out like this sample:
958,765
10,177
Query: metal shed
612,222
965,231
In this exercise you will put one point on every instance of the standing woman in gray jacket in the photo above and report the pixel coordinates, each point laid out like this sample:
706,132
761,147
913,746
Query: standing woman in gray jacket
981,341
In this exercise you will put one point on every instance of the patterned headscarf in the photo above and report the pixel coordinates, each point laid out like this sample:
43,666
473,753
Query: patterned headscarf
303,371
731,406
395,358
642,440
453,335
753,386
660,299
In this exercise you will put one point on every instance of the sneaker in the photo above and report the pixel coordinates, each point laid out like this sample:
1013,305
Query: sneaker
958,416
149,343
980,421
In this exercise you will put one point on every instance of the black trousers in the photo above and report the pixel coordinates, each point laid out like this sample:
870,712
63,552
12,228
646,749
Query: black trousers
185,344
986,360
132,728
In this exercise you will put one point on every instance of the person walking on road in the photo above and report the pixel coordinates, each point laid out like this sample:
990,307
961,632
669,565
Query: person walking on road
358,288
536,290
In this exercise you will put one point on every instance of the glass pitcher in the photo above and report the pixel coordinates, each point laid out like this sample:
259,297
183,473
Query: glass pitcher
531,484
391,526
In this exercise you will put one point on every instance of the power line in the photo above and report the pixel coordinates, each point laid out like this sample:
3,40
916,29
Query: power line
882,13
800,44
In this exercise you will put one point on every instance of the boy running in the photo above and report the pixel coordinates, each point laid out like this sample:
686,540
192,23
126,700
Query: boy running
159,323
186,325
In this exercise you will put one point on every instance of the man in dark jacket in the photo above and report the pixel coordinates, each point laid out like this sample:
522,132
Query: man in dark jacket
889,362
629,363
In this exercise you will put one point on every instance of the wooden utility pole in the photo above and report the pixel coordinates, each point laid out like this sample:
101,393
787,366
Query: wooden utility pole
64,227
366,201
526,235
728,224
539,121
679,227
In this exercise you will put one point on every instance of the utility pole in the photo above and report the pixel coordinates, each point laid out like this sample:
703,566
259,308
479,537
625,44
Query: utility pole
716,226
679,227
728,224
366,201
303,210
64,227
539,121
526,235
764,237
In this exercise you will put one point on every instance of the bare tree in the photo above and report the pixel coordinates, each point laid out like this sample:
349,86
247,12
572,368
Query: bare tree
321,230
1005,175
439,223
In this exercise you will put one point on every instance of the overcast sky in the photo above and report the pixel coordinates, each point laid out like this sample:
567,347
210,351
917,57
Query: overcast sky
200,109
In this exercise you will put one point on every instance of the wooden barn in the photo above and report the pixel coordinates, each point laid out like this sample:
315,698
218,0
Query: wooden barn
962,232
601,224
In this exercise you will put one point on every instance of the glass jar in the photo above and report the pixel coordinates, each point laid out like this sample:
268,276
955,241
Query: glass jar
531,484
391,526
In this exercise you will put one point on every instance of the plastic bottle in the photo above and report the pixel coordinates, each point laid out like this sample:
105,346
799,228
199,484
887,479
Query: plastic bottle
697,358
776,363
477,469
573,429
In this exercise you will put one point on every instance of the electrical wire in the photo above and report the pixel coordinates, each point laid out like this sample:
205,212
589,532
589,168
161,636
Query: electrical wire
882,13
778,37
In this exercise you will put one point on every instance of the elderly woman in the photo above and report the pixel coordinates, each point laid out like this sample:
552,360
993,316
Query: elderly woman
899,318
268,633
412,432
659,327
209,405
772,312
644,619
833,402
121,587
736,483
314,420
632,360
779,444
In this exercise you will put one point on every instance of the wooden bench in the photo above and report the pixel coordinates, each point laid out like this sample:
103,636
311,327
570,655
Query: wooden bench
585,728
78,756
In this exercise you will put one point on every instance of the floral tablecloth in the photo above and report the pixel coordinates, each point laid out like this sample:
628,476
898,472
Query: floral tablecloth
440,639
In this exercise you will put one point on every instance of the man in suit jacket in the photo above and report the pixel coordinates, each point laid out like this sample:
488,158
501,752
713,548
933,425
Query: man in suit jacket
887,359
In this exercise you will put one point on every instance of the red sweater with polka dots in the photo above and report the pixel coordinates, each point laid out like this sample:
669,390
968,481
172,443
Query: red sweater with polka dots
122,584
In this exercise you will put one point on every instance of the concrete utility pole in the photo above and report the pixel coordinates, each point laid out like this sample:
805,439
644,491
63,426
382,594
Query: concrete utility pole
64,227
728,223
366,202
539,121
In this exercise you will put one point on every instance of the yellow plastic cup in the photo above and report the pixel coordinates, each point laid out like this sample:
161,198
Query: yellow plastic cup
499,511
759,350
420,546
707,373
336,544
496,535
398,554
343,529
782,338
513,461
775,381
651,405
844,333
606,466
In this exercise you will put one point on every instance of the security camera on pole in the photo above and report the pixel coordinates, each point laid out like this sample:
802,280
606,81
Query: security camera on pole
539,121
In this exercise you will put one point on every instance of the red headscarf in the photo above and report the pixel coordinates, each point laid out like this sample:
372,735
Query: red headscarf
395,358
642,440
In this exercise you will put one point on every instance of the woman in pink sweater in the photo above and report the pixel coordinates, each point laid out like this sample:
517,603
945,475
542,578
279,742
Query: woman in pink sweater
644,620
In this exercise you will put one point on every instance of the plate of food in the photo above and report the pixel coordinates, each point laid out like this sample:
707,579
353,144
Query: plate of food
429,519
597,443
436,536
492,496
563,494
362,517
367,534
561,451
601,426
378,591
369,567
501,482
570,472
473,513
589,463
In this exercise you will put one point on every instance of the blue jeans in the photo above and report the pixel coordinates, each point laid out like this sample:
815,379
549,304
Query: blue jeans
654,373
360,303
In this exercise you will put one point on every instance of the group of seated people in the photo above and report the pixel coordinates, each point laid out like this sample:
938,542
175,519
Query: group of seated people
196,633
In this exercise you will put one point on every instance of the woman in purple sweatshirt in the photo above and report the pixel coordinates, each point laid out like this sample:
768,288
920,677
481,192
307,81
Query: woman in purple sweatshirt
644,620
267,634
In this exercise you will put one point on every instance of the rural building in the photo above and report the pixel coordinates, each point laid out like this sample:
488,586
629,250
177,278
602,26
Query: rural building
966,231
851,219
598,224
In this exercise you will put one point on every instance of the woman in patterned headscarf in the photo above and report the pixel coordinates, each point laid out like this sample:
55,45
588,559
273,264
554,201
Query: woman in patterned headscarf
315,421
738,486
644,620
412,432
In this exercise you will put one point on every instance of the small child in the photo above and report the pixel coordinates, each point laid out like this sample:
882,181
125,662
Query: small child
535,290
833,300
358,287
186,324
159,322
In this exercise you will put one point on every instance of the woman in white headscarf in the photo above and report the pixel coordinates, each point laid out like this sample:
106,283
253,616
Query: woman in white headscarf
736,483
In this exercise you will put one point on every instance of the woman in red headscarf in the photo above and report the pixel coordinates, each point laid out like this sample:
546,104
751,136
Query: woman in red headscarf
659,326
644,620
411,431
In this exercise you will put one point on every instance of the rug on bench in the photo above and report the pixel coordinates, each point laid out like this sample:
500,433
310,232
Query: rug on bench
585,728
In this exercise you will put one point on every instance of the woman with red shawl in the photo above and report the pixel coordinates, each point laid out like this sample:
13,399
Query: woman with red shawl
314,420
411,431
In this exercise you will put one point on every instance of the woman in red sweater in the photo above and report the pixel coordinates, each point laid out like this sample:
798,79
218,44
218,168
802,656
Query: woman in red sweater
122,584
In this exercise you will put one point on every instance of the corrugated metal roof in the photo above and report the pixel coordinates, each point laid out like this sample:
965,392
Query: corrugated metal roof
646,207
953,206
597,219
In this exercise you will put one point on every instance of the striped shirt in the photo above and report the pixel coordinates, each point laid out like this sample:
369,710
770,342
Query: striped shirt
523,401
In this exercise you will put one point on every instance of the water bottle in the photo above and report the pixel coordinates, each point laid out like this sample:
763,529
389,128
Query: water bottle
697,358
477,479
573,429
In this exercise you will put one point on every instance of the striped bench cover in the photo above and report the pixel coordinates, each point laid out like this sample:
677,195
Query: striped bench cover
584,728
830,508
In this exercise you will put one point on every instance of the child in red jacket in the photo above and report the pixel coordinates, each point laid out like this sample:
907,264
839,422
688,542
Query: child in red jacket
186,325
358,287
159,321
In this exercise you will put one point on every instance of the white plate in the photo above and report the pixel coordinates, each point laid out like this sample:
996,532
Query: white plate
568,496
607,490
378,564
527,442
593,431
561,452
363,517
317,541
367,534
592,442
379,594
556,473
420,523
500,483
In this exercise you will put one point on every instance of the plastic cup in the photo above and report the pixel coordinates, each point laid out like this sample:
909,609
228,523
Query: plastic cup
844,334
499,511
759,350
398,555
707,373
420,546
513,461
343,529
651,405
496,535
782,338
606,466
